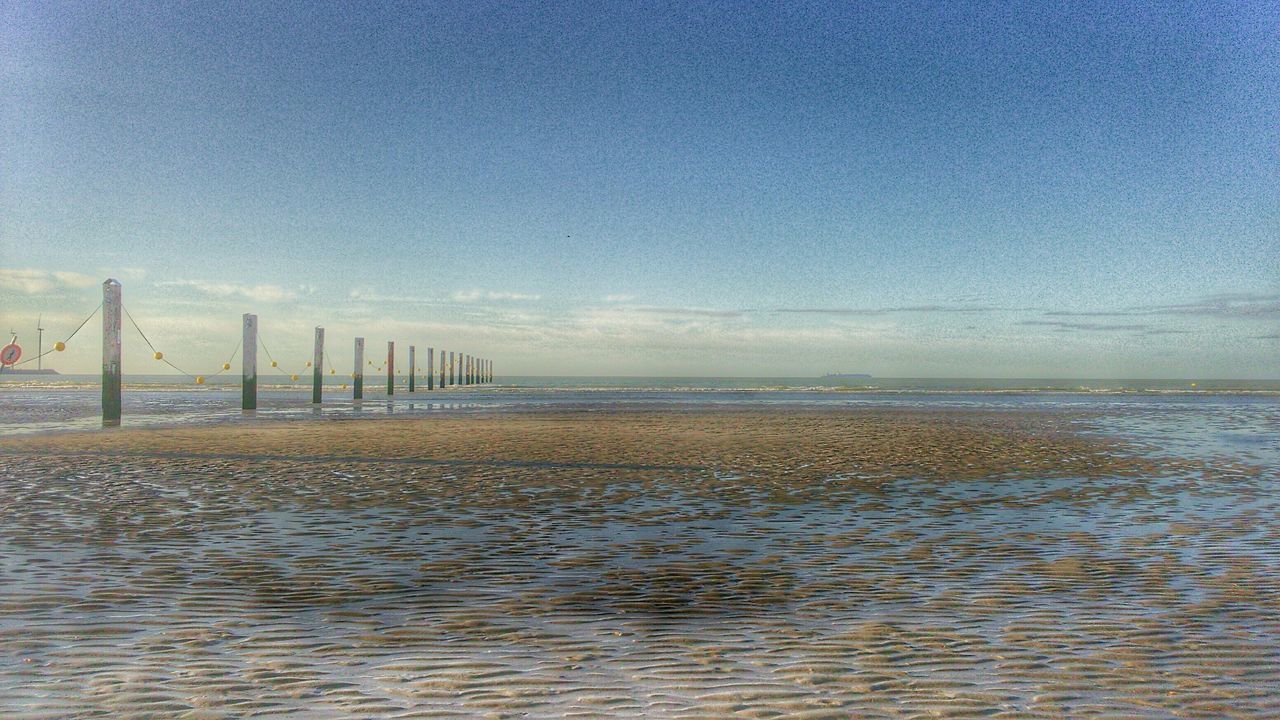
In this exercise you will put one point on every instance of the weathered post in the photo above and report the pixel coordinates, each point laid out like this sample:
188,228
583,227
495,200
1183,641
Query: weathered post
357,381
391,367
442,383
249,363
471,367
111,368
431,365
451,368
317,368
412,368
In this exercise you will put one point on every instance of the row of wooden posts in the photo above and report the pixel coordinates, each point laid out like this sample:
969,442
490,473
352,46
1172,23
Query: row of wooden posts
455,368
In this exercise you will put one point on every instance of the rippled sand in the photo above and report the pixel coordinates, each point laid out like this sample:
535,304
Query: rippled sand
863,563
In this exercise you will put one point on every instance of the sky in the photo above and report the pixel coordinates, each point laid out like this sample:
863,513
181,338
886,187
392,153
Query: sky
755,189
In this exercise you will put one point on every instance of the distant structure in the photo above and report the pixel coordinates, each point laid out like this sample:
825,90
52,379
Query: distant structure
846,376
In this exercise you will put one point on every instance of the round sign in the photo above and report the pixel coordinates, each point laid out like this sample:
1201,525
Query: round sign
10,353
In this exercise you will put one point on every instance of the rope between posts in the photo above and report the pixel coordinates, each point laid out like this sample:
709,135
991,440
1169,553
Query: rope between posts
146,340
65,340
275,365
160,356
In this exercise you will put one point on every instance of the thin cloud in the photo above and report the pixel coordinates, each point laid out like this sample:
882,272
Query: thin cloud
687,311
259,293
31,281
1222,305
1061,325
890,310
476,295
376,297
619,298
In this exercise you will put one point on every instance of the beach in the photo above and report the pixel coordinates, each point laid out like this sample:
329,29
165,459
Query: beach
699,562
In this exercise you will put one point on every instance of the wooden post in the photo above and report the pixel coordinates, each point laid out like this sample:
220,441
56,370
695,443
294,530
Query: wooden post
249,363
431,372
466,369
357,382
471,370
391,368
111,367
317,368
451,368
442,369
412,368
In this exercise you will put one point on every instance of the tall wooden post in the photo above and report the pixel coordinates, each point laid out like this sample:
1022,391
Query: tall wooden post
249,363
357,382
431,368
471,379
317,368
391,367
412,368
111,367
451,368
442,353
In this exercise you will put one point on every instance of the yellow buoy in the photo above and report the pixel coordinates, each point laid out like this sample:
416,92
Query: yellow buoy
275,364
333,371
344,386
59,346
199,379
353,376
293,377
308,363
226,366
159,355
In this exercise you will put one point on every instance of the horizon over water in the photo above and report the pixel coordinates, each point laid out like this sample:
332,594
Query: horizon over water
758,383
38,404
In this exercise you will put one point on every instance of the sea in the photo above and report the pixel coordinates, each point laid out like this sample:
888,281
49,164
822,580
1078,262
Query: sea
1191,417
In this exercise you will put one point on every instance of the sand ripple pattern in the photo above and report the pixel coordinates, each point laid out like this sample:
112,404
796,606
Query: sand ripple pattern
709,565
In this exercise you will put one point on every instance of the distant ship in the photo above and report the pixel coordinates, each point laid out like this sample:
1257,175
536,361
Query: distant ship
846,376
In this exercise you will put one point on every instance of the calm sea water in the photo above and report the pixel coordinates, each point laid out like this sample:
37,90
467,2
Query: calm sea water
1186,417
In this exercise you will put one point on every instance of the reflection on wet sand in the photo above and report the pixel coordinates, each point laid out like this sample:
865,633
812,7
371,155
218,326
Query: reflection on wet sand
838,563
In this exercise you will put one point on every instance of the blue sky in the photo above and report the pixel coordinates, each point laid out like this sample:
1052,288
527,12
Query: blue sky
943,189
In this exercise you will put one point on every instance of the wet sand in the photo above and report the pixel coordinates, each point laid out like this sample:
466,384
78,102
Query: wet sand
834,563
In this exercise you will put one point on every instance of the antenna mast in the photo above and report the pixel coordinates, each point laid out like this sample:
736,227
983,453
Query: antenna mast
40,342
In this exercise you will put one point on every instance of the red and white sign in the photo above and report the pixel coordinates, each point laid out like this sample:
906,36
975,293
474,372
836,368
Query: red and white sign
10,353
